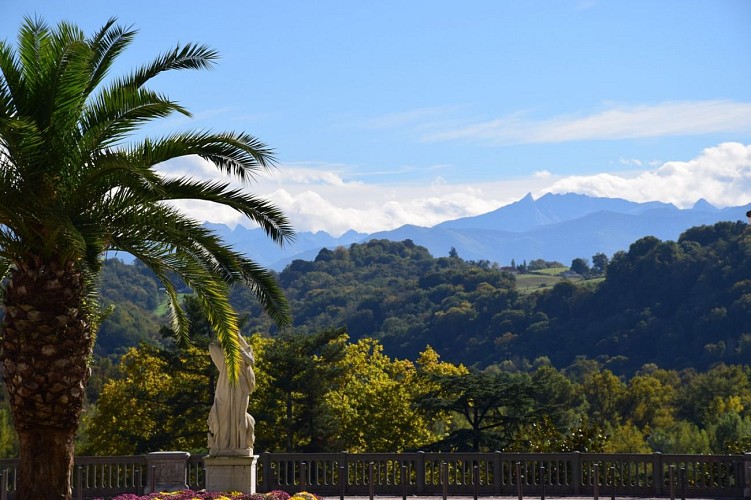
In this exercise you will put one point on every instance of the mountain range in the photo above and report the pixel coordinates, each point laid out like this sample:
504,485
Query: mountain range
555,227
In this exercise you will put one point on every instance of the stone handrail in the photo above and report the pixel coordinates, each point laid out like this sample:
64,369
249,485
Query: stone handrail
450,474
508,474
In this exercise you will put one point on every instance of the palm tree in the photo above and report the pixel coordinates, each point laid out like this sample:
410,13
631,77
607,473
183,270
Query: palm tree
74,184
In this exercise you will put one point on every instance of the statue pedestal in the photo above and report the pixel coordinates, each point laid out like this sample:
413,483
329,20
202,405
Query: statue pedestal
231,473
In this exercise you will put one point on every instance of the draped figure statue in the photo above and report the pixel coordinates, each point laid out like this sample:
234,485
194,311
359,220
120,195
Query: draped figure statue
231,427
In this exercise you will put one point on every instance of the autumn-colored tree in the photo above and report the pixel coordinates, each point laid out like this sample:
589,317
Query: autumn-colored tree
604,392
373,402
648,402
160,402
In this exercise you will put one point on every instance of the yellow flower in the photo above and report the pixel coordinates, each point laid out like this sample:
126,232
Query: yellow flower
303,495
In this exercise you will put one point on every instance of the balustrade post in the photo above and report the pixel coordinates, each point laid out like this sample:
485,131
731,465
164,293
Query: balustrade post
420,468
657,473
405,480
497,473
476,475
80,482
266,468
343,474
747,474
542,482
671,479
577,472
302,476
137,481
4,485
683,484
612,493
445,479
596,481
519,488
371,485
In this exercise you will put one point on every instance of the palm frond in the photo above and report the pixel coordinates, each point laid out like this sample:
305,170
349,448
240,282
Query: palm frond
33,35
117,111
237,154
71,190
191,56
270,218
11,76
108,43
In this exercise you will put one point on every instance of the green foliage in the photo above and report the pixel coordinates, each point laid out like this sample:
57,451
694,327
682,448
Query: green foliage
301,370
373,402
626,438
493,405
678,304
612,340
600,262
8,438
680,437
326,393
160,402
399,294
689,301
580,266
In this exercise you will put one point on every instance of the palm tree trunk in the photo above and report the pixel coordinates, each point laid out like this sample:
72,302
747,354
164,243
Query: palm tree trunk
47,340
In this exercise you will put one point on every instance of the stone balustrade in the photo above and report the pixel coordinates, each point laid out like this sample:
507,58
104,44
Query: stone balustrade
431,474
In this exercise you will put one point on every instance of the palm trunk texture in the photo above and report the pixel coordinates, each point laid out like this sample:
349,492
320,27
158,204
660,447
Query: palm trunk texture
47,340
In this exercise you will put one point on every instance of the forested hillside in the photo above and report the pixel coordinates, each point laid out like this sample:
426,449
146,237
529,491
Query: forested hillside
650,355
678,304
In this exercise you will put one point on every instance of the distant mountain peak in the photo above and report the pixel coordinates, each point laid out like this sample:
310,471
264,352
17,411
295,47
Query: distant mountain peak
556,226
704,205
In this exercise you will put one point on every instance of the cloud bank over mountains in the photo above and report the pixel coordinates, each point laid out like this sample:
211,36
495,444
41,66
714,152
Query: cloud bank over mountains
322,197
721,175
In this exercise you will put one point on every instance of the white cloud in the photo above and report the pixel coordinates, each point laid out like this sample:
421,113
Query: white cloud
614,122
720,174
411,117
320,197
630,162
372,207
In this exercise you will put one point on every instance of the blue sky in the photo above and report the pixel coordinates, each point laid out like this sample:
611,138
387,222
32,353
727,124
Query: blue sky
393,112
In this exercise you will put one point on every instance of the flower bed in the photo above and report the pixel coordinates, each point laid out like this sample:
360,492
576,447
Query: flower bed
212,495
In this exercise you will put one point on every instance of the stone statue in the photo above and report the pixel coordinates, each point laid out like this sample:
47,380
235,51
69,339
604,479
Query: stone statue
231,428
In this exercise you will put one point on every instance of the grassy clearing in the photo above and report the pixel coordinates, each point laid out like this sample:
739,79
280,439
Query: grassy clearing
550,271
528,283
547,278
